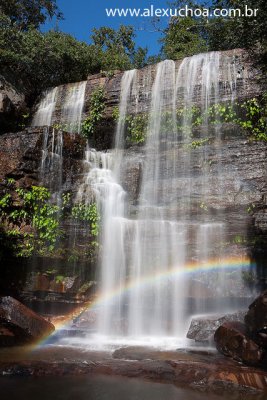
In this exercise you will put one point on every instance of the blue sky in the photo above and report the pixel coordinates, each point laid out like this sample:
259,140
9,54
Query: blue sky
83,15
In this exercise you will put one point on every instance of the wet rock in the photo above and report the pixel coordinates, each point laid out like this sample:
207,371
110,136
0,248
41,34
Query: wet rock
87,289
56,286
42,282
15,148
233,341
206,373
256,319
202,329
199,290
86,320
261,220
12,104
72,284
19,324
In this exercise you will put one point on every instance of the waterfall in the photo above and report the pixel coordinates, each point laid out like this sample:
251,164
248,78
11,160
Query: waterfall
144,253
46,107
72,107
71,97
72,104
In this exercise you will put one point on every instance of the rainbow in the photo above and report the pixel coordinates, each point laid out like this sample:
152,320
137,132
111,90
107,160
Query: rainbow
231,263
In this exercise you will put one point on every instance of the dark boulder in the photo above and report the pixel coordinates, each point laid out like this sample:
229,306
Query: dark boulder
233,341
19,324
12,105
256,320
202,329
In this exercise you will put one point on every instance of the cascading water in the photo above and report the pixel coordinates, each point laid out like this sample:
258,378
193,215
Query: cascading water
70,118
101,183
72,108
46,107
147,253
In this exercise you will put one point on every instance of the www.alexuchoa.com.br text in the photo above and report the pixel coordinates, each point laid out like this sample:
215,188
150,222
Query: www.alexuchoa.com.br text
186,11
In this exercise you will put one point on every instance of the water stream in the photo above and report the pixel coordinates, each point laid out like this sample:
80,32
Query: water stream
146,249
171,226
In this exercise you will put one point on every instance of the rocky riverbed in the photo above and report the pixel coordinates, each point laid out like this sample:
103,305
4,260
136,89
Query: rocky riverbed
200,370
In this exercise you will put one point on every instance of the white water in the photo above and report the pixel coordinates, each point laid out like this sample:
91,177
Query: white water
139,251
70,111
46,107
72,107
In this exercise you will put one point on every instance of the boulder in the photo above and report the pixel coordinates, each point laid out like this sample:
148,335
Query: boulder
12,105
20,325
256,320
233,341
42,282
86,320
202,329
10,97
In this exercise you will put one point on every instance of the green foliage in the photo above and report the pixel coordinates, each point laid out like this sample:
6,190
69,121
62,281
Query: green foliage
251,116
140,57
97,107
32,222
197,143
25,13
183,36
43,60
88,213
117,48
31,208
5,202
203,206
116,113
136,128
233,32
251,208
59,278
255,121
238,239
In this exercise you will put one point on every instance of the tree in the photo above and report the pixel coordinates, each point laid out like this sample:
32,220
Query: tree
190,35
47,59
185,35
118,48
29,13
238,30
182,39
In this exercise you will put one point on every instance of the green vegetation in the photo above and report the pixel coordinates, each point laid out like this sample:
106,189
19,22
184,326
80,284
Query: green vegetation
185,36
88,213
250,116
136,128
197,143
116,48
25,13
97,107
29,217
42,60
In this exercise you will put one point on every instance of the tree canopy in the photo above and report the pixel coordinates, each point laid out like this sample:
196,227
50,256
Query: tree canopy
29,13
42,60
189,35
